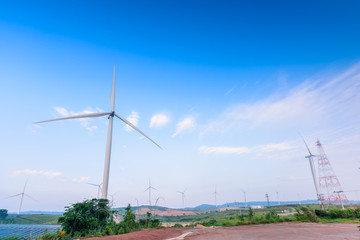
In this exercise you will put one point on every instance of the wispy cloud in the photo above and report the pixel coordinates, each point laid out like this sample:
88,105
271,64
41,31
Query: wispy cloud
134,119
334,100
31,172
81,179
264,151
186,125
85,122
224,150
159,120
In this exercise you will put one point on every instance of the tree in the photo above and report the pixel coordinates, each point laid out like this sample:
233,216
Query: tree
251,214
86,217
3,214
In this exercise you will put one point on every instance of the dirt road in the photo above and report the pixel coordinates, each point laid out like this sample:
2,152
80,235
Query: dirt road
296,231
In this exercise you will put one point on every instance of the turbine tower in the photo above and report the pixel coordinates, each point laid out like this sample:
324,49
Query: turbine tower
182,196
311,162
22,194
111,116
328,182
149,189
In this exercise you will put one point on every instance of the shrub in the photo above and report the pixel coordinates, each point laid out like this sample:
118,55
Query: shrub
321,213
178,225
305,215
86,217
337,213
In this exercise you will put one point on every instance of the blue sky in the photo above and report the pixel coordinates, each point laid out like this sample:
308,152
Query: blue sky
224,87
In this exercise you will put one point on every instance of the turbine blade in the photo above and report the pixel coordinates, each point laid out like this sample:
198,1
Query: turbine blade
131,125
93,184
90,115
12,196
112,99
30,197
154,188
305,144
25,186
147,189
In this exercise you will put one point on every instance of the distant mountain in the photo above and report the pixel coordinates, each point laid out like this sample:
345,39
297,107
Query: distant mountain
256,203
37,212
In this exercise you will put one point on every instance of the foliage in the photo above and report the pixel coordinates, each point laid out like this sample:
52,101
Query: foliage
49,236
3,214
86,217
305,214
178,225
251,214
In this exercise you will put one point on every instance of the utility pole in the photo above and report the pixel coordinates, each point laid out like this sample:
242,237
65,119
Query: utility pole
267,198
338,193
245,199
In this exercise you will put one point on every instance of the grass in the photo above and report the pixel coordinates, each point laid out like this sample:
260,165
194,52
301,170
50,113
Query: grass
32,219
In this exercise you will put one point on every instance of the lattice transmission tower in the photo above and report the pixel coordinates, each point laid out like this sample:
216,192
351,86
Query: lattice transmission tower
329,184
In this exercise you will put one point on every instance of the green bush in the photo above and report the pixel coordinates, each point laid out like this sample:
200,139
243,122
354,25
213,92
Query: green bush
178,225
337,213
305,215
321,213
81,219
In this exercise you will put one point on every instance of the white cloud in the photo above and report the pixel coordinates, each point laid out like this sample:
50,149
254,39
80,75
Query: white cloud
264,151
224,150
85,122
185,125
159,120
81,179
134,119
36,173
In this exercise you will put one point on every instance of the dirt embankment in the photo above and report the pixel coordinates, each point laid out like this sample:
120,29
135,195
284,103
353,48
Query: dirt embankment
294,231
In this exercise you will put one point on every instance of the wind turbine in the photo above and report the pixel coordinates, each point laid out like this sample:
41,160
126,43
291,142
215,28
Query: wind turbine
22,197
149,189
111,116
98,186
183,196
311,162
215,194
112,198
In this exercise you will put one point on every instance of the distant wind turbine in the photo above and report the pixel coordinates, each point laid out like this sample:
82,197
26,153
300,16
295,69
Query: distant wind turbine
111,116
98,186
149,189
215,194
182,196
22,197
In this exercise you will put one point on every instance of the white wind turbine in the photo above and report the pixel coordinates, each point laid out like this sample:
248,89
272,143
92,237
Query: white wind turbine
311,162
22,197
149,189
98,186
111,116
182,196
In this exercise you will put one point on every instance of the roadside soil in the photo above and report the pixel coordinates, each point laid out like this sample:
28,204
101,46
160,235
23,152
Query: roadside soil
294,231
280,231
152,234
